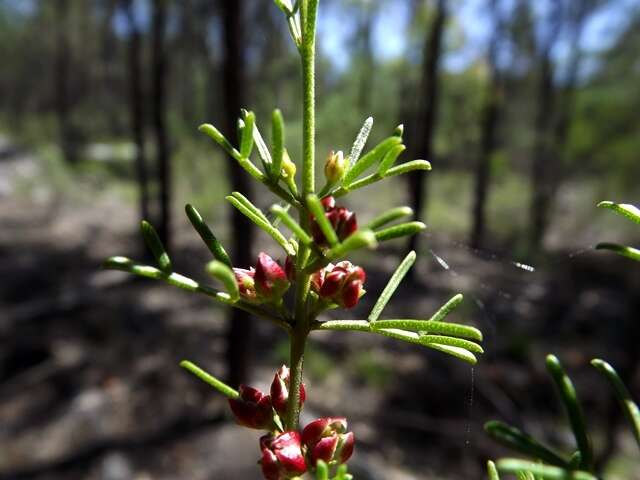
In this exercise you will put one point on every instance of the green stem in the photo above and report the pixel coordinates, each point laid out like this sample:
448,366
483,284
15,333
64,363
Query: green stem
298,341
307,52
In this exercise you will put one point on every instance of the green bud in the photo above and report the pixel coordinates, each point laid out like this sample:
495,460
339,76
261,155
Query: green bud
335,167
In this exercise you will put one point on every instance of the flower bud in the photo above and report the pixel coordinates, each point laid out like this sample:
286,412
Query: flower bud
270,279
288,167
328,203
246,283
342,220
280,390
342,284
282,456
334,168
327,439
252,408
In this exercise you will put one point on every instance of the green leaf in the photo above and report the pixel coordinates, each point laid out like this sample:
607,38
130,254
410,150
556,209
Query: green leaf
277,142
457,352
369,159
223,273
447,308
407,167
209,239
630,211
629,252
519,441
492,471
316,208
392,285
152,240
360,140
262,222
341,473
222,387
452,342
390,158
213,133
247,203
388,217
426,327
263,151
570,401
629,407
547,472
404,229
357,240
399,131
246,143
291,224
322,471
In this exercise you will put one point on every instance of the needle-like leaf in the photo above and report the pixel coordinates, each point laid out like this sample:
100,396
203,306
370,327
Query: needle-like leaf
402,230
369,159
429,327
629,252
246,142
451,341
522,443
316,208
447,308
219,385
360,140
546,472
359,239
247,203
492,471
209,239
277,142
629,407
390,158
322,471
630,211
388,217
457,352
408,167
569,399
223,273
392,285
291,224
154,243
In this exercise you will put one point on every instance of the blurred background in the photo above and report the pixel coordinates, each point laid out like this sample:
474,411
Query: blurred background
529,112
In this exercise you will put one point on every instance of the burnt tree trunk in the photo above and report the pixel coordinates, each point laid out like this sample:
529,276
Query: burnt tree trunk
427,113
136,106
489,121
233,91
159,83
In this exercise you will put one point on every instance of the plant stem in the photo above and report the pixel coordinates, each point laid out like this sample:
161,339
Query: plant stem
298,336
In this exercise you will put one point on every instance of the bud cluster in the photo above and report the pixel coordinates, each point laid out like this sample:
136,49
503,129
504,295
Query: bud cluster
285,454
342,220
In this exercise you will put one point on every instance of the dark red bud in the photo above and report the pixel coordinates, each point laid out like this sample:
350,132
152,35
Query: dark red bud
328,203
252,408
280,390
327,439
282,456
271,280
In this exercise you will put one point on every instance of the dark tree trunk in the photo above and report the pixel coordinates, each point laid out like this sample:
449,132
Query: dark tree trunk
159,83
234,91
427,113
136,106
62,79
489,121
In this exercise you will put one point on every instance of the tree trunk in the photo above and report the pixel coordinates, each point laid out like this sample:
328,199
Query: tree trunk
136,106
62,79
428,109
489,122
159,82
234,91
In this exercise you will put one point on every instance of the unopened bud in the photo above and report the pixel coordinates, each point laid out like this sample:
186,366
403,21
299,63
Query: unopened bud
288,167
327,439
252,408
270,279
282,456
280,390
335,166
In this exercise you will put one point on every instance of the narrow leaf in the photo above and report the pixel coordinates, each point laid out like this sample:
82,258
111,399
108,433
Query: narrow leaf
322,471
492,471
408,167
629,407
629,252
262,223
316,208
222,387
630,211
457,352
246,143
570,401
519,441
451,341
390,158
399,130
369,159
247,203
277,142
392,285
447,308
360,140
359,239
404,229
425,327
209,239
213,133
547,472
154,243
291,224
341,473
263,151
223,273
389,216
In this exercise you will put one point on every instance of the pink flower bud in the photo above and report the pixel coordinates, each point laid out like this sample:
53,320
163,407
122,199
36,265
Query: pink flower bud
342,284
280,390
252,408
327,439
270,279
246,283
342,220
282,456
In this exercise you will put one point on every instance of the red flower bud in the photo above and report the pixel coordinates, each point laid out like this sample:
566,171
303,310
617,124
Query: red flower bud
252,408
290,268
246,283
270,279
280,390
282,456
342,220
341,283
327,439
